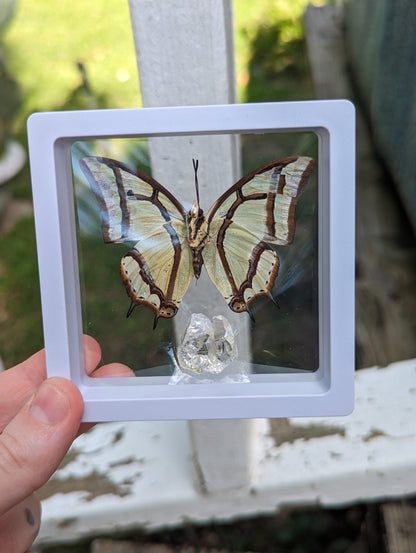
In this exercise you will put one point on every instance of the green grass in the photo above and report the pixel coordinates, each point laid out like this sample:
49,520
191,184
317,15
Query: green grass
20,316
46,41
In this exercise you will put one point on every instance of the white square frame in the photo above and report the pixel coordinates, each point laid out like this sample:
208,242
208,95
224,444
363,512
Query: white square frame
328,391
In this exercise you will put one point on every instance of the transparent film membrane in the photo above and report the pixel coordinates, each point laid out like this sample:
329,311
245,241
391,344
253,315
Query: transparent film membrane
201,343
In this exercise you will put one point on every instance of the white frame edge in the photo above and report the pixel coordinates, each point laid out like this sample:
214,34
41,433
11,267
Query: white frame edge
326,392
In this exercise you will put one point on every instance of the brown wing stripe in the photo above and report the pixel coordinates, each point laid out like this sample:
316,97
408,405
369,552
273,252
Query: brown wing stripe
105,219
241,199
277,164
154,200
253,264
176,244
114,164
145,275
224,261
125,212
270,204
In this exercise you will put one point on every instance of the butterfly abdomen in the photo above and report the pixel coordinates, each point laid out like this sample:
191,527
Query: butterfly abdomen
197,228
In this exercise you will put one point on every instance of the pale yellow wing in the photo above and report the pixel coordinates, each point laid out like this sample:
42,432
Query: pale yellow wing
158,270
128,199
257,211
264,201
241,267
135,207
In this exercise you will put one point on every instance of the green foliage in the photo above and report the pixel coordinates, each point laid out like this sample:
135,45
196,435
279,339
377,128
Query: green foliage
9,90
46,41
20,316
270,50
9,103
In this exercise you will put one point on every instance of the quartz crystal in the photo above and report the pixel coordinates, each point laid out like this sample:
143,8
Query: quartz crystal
206,347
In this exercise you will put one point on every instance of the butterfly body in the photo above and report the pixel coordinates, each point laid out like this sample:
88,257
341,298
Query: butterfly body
197,236
232,240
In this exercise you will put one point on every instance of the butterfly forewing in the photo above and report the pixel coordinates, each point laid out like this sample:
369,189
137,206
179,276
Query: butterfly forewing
264,201
292,181
135,207
130,201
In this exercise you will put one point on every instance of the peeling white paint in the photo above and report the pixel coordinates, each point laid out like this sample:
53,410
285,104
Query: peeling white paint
386,402
153,461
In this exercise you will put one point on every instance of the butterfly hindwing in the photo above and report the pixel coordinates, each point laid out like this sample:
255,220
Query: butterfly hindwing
257,211
158,270
135,207
241,266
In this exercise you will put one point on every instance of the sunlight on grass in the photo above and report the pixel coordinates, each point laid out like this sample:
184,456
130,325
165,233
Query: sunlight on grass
46,40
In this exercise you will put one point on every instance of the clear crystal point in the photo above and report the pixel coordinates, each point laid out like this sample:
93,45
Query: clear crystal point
207,347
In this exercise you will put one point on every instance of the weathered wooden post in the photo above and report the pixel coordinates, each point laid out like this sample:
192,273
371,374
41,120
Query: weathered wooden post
185,57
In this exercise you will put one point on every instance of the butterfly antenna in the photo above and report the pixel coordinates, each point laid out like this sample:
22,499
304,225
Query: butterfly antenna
195,163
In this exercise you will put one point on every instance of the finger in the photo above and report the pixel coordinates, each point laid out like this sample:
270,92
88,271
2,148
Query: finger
20,525
113,370
33,444
110,370
92,353
92,356
18,384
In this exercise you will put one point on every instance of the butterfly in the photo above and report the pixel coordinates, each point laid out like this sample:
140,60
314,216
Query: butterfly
171,244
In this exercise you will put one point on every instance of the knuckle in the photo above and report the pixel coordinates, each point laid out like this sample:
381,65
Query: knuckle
12,458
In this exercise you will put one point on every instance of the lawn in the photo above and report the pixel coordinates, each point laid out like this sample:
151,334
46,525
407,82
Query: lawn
45,45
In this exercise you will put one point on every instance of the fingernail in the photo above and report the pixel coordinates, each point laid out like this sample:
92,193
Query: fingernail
49,405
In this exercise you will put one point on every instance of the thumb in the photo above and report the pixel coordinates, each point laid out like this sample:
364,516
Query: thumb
34,442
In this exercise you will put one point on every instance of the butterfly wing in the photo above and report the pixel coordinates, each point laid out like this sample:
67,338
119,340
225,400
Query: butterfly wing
257,211
240,265
135,207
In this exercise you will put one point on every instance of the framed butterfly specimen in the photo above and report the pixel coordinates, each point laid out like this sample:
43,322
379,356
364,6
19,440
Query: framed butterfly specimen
171,244
164,242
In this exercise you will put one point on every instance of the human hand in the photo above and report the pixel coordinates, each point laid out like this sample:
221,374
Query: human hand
39,419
